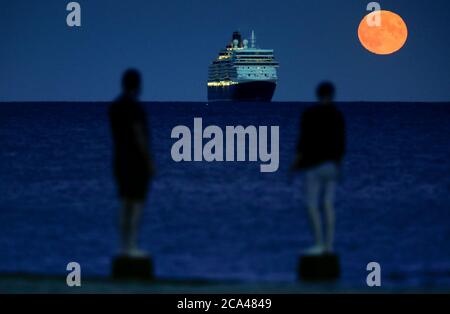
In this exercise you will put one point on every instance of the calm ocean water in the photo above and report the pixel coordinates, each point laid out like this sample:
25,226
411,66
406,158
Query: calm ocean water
226,220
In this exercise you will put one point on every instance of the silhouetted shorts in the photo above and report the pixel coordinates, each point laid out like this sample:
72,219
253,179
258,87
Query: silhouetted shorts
321,182
132,182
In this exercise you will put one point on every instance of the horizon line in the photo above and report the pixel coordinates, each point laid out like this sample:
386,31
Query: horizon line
243,101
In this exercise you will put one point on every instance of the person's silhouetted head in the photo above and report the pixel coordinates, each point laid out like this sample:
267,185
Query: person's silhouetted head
131,82
325,92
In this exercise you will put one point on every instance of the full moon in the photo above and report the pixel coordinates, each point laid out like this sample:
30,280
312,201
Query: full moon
385,38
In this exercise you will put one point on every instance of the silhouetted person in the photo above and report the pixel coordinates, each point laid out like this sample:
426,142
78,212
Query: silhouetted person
132,163
319,153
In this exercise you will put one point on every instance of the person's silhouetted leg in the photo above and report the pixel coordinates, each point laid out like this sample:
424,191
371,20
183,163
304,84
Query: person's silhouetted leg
313,193
317,230
130,220
328,207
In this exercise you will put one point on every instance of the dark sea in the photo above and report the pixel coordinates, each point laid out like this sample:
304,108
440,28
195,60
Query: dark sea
226,220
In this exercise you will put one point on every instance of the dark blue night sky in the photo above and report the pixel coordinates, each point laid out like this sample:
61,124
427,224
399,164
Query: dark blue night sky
173,42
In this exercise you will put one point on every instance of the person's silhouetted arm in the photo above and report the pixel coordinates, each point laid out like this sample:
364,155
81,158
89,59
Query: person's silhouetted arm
341,138
300,148
139,132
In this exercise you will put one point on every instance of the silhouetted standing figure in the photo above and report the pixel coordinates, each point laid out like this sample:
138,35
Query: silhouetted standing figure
132,163
320,151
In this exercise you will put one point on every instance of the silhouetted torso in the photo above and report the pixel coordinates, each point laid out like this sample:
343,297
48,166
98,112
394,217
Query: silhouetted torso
130,161
322,136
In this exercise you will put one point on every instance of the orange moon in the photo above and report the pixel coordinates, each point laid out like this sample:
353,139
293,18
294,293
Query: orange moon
386,38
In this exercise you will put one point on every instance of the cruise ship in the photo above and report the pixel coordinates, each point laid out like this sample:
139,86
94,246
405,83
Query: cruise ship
242,72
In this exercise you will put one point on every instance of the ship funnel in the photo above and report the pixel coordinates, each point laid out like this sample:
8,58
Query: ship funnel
237,36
